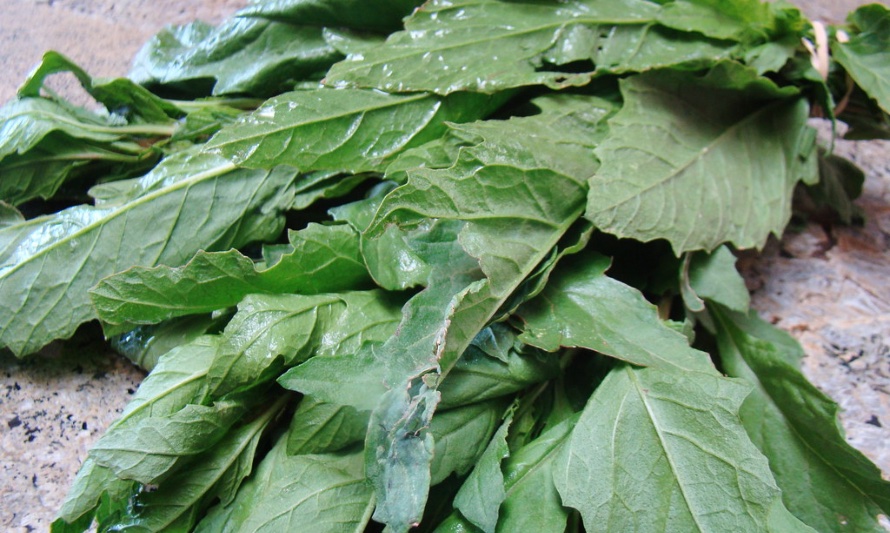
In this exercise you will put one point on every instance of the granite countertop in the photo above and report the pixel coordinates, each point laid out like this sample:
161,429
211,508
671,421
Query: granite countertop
827,286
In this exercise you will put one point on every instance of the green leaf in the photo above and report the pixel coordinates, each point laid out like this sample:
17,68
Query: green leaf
345,130
323,427
376,15
529,482
176,381
292,492
145,345
240,56
659,449
522,179
714,277
189,202
119,95
867,54
149,449
663,173
461,436
218,473
297,327
825,482
480,497
525,174
27,121
489,46
840,183
92,485
743,20
324,378
478,376
582,307
41,171
320,259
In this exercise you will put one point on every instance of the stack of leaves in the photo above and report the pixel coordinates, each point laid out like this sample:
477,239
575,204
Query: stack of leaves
506,299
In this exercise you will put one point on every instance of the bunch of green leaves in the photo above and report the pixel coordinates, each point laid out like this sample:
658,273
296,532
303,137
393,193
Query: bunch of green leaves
506,296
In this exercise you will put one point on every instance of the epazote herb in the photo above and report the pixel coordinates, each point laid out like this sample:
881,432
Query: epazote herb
506,299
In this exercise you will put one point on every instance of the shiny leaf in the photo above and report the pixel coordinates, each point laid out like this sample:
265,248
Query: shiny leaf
490,45
164,225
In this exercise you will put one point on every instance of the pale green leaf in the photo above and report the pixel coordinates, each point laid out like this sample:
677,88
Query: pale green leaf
27,121
664,450
326,493
664,165
218,473
825,482
149,449
190,202
583,307
398,454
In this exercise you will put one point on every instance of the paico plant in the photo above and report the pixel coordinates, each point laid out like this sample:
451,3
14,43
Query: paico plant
506,299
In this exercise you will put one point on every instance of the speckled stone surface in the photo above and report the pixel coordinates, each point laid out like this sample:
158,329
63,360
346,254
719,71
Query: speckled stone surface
827,286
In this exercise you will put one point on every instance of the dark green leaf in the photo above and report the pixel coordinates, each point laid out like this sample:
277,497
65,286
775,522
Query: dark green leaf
825,482
866,56
460,436
374,15
742,20
119,95
477,376
529,481
840,183
241,56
